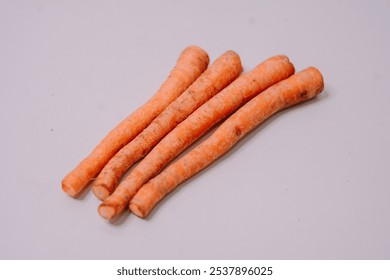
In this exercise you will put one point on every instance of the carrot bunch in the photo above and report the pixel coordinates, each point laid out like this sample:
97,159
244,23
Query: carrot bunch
193,99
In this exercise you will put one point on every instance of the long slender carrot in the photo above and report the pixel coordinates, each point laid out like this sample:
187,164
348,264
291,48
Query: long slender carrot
221,73
236,94
298,88
189,66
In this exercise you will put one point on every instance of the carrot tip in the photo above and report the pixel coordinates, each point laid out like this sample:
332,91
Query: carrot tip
69,190
101,192
107,212
136,210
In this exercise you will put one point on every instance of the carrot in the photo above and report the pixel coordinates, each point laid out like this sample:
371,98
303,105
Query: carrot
237,93
221,73
189,66
298,88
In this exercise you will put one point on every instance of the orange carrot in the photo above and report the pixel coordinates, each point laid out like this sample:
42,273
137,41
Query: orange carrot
236,94
190,65
298,88
221,73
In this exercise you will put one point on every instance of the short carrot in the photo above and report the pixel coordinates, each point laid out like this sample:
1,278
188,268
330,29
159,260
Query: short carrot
189,66
220,73
224,103
298,88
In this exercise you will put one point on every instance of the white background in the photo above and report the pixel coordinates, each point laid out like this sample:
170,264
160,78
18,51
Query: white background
310,183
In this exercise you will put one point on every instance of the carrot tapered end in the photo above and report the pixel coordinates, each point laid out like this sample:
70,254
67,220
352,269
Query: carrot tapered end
68,189
101,192
107,212
137,210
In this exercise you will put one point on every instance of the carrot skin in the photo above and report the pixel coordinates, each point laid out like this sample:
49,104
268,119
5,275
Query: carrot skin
222,72
298,88
221,105
189,66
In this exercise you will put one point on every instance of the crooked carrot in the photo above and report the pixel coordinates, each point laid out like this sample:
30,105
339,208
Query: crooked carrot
221,73
224,103
298,88
189,66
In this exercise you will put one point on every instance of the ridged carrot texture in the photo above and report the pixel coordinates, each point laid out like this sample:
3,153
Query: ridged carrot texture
221,73
221,105
298,88
189,66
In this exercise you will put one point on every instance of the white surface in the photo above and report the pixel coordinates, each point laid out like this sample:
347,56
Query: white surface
311,182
